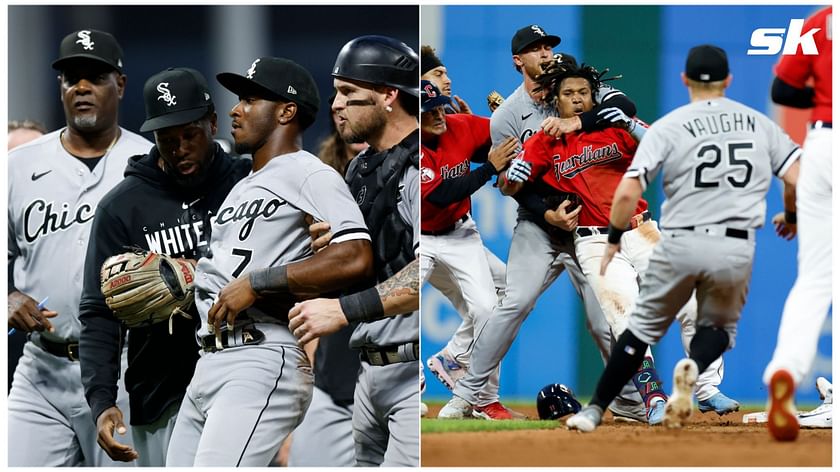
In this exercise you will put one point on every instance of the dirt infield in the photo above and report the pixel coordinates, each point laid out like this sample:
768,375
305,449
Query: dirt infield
708,441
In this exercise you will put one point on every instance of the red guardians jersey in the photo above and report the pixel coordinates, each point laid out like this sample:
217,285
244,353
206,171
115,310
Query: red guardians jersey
464,135
589,165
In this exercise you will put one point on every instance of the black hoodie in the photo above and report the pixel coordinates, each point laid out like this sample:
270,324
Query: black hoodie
151,210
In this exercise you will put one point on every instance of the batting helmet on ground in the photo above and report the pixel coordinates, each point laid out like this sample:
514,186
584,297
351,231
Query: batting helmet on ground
556,401
379,60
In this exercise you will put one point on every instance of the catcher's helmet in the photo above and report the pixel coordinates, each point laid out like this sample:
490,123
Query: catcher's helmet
379,60
556,401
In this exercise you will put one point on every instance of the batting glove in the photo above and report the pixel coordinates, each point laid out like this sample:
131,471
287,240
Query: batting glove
616,117
519,171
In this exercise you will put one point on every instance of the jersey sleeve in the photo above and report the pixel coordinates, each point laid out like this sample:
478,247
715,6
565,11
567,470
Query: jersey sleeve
795,69
649,156
783,151
429,176
607,92
537,154
502,126
325,196
100,336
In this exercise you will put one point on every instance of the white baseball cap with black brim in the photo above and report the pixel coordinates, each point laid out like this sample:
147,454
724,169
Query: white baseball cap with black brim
175,97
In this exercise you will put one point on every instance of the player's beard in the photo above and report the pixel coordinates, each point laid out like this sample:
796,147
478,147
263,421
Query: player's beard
85,122
364,127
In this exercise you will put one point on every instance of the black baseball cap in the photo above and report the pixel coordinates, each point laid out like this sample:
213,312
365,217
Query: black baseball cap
430,97
276,78
529,35
175,97
706,63
89,44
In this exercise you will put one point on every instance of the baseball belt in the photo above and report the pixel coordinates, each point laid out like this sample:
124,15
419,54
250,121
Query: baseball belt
67,350
385,355
819,124
635,222
715,230
241,336
446,230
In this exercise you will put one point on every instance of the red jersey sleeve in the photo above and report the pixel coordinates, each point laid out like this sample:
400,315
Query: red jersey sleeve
479,127
429,178
538,153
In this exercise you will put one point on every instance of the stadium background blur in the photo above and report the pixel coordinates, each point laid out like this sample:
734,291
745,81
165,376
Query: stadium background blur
648,46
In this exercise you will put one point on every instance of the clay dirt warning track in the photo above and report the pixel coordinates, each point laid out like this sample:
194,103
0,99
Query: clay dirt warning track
708,440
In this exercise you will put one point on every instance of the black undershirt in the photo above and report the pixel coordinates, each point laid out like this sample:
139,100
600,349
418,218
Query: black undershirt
90,162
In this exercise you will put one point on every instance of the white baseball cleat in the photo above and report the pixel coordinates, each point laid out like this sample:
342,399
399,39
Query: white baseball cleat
446,369
586,420
456,409
680,403
819,417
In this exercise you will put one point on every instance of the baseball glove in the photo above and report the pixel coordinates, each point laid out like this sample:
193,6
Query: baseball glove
144,288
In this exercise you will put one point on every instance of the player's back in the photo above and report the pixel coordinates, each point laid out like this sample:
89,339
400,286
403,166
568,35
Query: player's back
718,157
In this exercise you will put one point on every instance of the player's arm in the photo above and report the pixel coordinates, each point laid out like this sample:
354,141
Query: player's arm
590,120
101,336
788,95
397,295
624,203
785,222
449,191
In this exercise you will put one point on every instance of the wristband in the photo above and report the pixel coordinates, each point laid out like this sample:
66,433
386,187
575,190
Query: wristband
269,280
362,306
790,217
614,234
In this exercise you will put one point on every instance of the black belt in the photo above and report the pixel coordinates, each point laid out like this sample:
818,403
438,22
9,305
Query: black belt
446,230
730,232
249,336
66,350
390,354
821,124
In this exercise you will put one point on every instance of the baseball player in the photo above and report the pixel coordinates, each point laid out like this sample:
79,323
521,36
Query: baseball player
717,157
529,271
21,132
377,90
590,166
810,298
55,184
253,383
451,242
329,419
163,205
450,363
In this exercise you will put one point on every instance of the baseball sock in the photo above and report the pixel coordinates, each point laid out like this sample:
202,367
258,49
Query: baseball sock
625,359
708,344
647,381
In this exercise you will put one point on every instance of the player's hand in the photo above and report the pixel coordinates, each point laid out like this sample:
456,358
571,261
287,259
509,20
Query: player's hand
609,252
315,318
519,171
500,156
320,234
109,421
461,105
613,116
785,230
562,219
557,127
234,297
24,314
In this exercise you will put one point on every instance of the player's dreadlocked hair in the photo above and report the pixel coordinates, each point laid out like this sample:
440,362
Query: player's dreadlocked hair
563,67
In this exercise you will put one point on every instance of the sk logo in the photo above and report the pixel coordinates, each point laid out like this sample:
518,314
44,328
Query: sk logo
167,95
253,69
538,30
84,40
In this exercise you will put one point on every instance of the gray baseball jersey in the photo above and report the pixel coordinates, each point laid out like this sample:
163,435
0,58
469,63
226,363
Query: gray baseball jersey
51,202
403,328
521,117
717,158
244,400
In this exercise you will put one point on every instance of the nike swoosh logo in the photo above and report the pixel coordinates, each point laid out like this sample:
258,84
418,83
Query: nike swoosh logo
525,117
187,205
36,176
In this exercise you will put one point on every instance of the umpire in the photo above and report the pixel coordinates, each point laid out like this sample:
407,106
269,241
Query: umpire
163,205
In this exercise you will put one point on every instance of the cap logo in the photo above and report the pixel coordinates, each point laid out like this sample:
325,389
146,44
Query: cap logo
253,69
291,90
705,76
206,96
167,95
536,29
84,40
429,91
119,62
